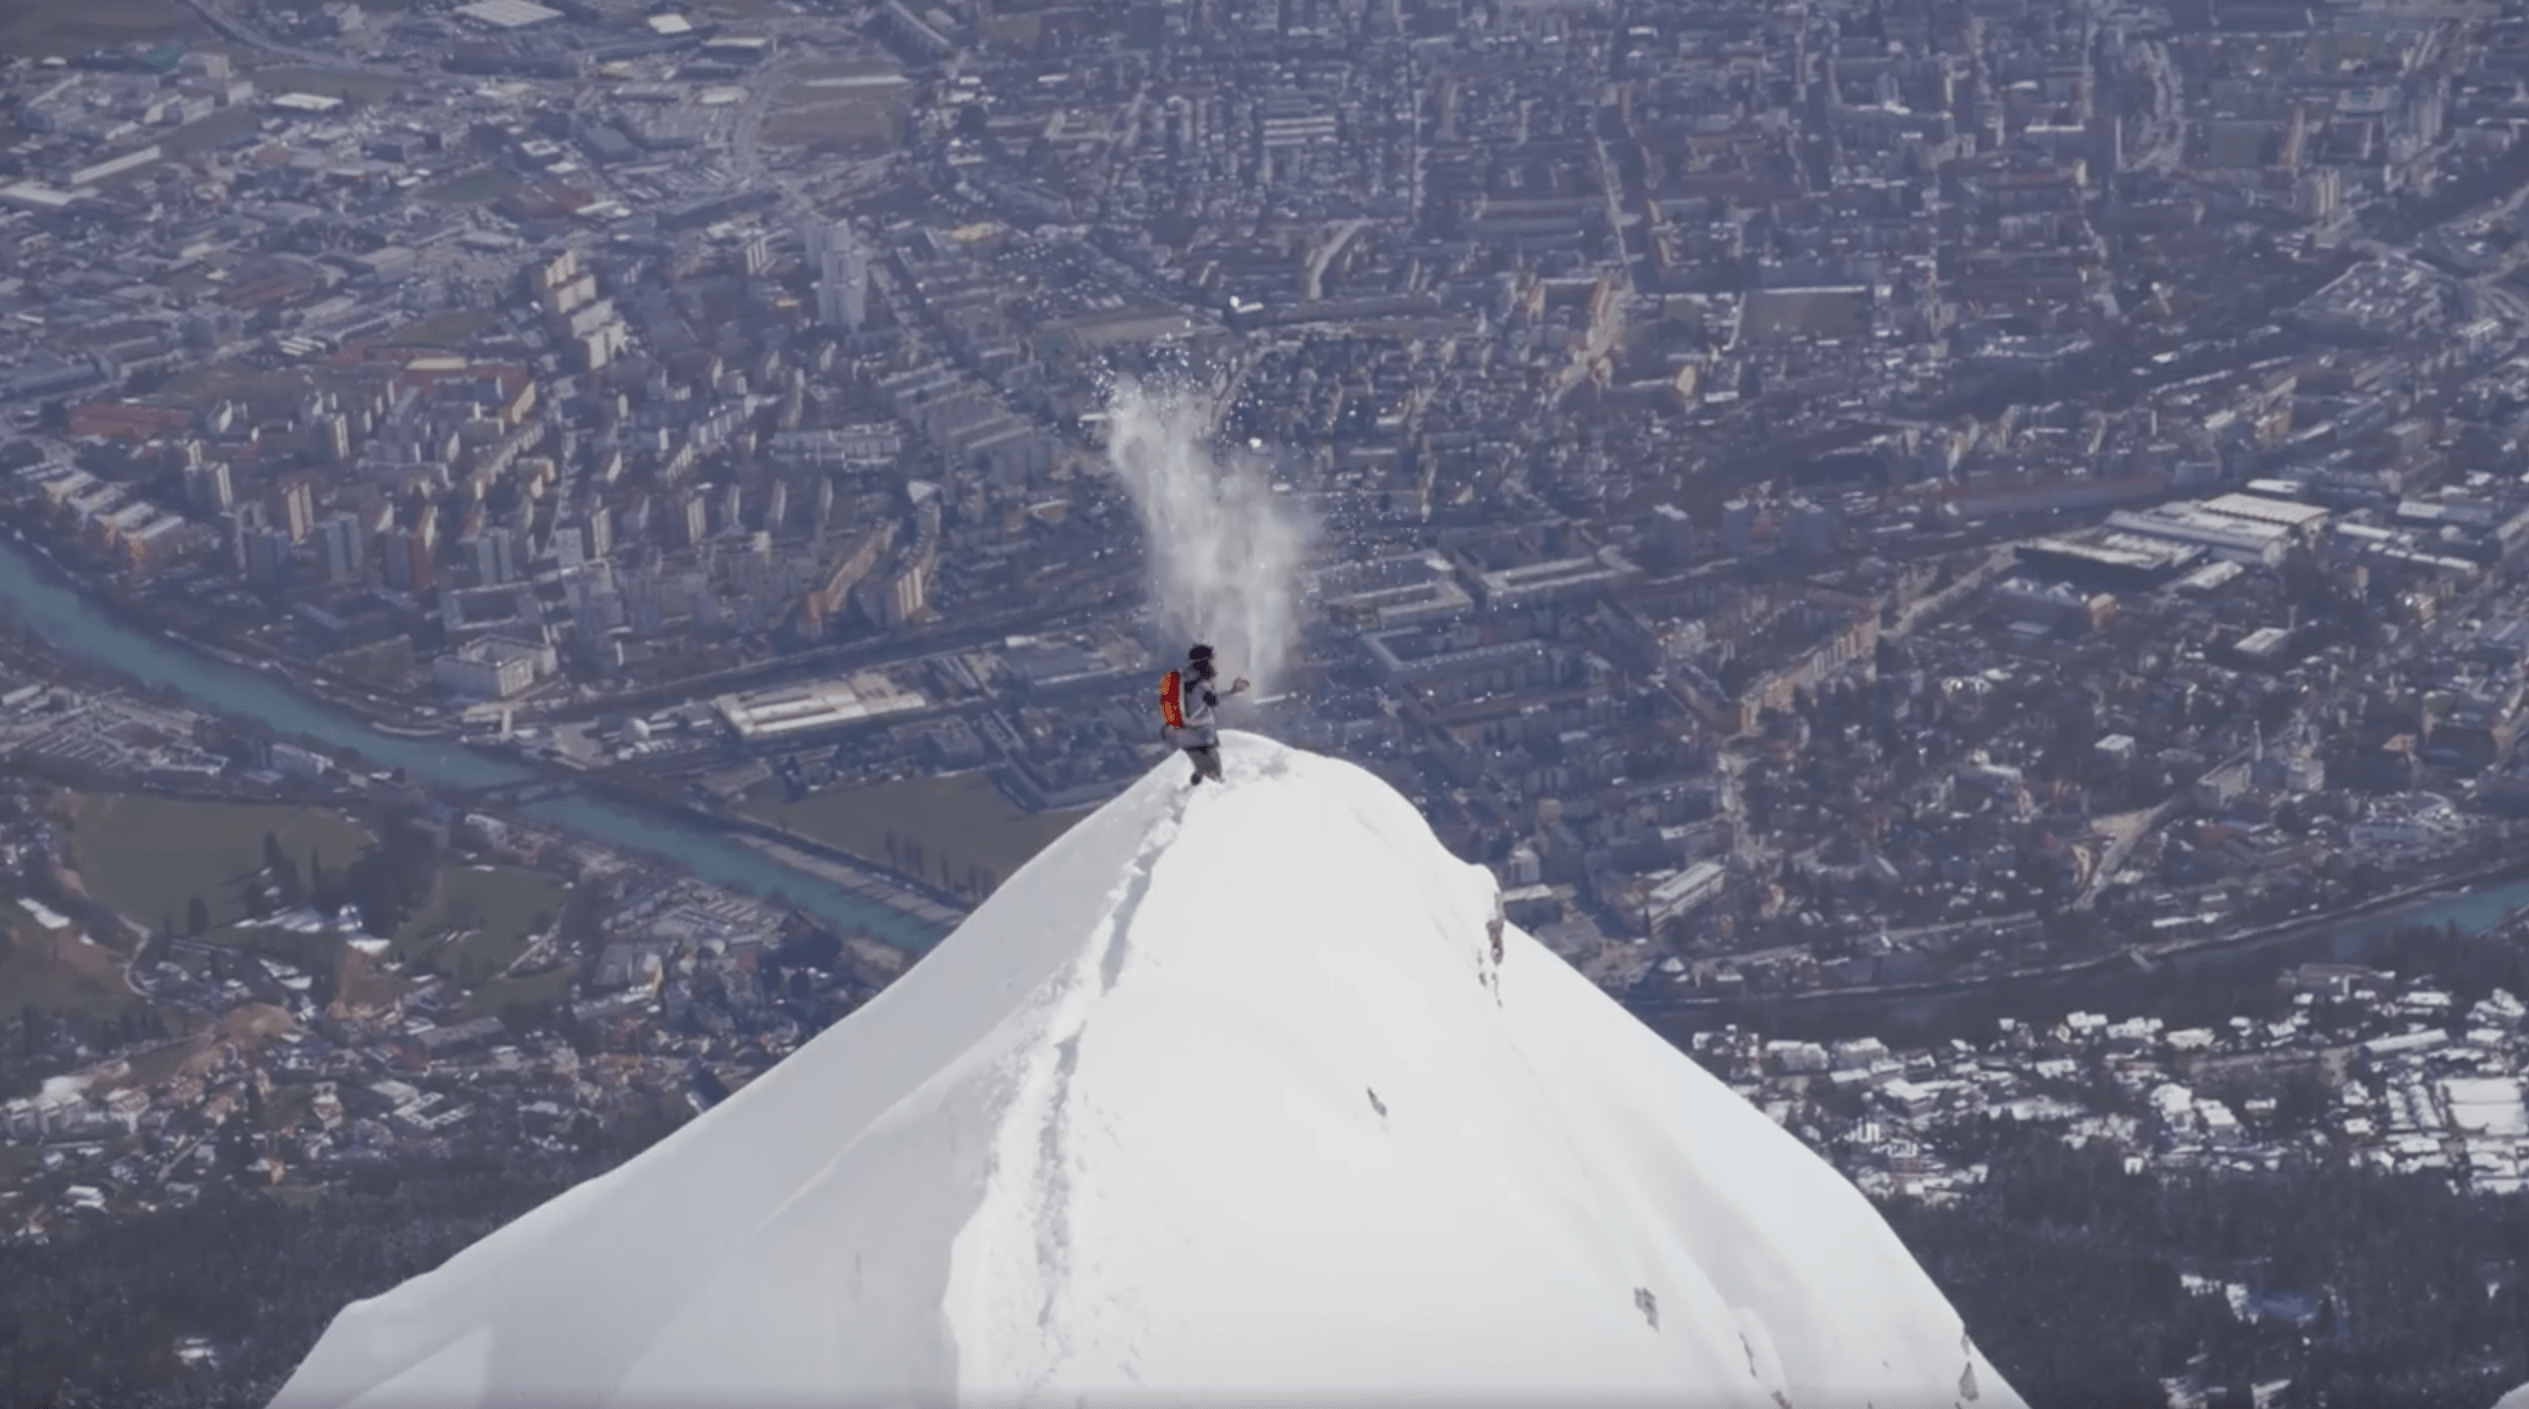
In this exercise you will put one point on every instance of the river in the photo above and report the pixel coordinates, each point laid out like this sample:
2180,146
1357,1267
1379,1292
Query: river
81,628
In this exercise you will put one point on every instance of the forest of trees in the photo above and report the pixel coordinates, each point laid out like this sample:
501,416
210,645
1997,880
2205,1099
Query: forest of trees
94,1317
393,879
2386,1290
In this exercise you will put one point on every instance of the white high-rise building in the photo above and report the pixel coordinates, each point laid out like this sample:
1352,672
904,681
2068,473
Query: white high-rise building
842,264
496,557
211,486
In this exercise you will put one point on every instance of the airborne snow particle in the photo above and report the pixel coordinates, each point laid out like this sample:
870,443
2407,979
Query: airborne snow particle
1226,552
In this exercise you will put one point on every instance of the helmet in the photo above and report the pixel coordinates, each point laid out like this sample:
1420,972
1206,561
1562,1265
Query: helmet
1200,654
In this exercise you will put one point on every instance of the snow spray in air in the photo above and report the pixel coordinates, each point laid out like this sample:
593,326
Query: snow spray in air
1225,551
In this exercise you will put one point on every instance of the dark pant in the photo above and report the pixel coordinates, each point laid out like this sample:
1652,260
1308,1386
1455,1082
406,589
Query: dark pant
1207,762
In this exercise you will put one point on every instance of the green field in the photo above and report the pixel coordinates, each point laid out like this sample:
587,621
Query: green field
960,822
63,974
480,923
496,909
148,856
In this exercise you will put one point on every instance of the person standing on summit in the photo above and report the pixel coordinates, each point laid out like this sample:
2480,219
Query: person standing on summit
1187,701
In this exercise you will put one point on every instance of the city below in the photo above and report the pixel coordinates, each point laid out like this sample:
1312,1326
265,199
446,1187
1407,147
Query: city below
549,548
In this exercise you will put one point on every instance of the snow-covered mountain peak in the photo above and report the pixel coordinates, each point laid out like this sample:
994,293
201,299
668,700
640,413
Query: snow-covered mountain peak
1226,1094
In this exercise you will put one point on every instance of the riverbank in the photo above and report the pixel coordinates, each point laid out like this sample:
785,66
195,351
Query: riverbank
861,876
865,877
853,878
73,626
331,690
44,557
841,865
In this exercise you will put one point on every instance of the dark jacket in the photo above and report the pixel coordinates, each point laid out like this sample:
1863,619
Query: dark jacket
1199,696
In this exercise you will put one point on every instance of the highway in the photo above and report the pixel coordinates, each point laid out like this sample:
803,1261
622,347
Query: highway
237,31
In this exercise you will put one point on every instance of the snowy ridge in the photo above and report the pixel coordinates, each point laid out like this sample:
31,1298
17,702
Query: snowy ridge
1222,1096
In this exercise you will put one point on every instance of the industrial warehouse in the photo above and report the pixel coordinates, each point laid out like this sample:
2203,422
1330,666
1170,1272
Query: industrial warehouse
803,711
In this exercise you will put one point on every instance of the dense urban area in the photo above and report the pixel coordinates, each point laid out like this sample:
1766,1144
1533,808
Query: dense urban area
1964,559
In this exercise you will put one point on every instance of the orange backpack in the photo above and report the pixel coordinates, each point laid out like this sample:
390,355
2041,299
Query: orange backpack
1172,700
